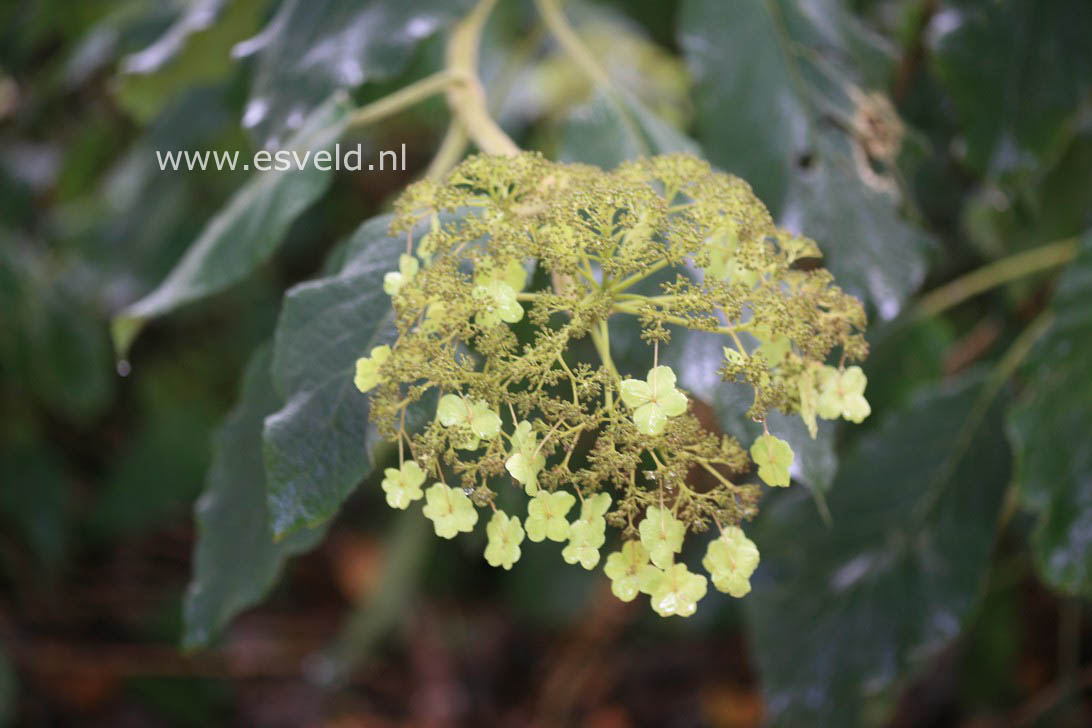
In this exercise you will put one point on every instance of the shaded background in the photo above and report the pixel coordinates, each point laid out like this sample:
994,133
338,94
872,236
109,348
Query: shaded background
930,566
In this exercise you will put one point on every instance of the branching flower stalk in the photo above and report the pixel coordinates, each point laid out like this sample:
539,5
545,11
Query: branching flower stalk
514,265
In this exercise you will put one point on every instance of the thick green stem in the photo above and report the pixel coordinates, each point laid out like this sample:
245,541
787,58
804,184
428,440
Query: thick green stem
1010,361
600,337
558,25
995,274
407,96
451,150
468,100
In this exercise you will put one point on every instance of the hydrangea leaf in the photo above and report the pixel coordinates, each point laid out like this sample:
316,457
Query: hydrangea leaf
236,560
312,48
1048,428
318,446
246,232
873,580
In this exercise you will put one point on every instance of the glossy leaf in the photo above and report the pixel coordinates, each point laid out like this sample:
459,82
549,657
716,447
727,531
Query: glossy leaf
317,446
235,559
614,127
770,77
750,118
872,252
195,49
1016,70
245,232
313,47
1049,429
914,509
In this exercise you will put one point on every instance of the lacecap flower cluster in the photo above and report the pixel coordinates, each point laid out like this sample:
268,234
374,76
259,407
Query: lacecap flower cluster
517,273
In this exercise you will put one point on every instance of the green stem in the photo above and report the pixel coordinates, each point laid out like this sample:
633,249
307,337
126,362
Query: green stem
1008,365
406,550
555,20
995,274
559,26
450,152
468,100
726,330
407,96
601,339
627,283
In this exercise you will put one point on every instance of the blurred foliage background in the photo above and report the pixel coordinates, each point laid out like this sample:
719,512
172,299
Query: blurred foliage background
931,567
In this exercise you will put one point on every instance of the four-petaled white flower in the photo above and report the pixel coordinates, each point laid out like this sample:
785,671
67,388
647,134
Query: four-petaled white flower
653,400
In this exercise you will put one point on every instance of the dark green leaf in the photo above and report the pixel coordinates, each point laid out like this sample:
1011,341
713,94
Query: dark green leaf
235,558
8,687
914,509
750,117
765,73
1016,70
1052,203
196,49
313,47
614,127
247,231
1049,429
52,343
871,251
37,500
174,427
778,87
317,447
